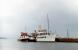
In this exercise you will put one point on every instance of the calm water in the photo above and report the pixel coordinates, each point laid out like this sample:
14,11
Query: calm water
13,44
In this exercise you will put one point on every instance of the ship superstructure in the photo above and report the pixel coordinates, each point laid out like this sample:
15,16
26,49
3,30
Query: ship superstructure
43,35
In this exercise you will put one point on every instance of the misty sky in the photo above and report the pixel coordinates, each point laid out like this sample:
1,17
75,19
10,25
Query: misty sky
25,15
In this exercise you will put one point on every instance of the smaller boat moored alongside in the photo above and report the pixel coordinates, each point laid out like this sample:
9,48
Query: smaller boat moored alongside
23,37
27,38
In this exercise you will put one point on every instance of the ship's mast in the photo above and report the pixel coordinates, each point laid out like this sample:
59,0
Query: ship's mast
48,24
67,32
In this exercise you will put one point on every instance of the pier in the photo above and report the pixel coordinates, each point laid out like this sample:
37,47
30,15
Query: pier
66,39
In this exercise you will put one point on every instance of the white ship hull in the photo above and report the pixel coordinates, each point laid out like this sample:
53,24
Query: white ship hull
43,35
46,38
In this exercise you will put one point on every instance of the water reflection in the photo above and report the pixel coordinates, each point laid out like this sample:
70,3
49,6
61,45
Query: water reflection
13,44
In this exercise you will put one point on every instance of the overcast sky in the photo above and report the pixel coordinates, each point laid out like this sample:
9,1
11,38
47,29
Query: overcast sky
25,15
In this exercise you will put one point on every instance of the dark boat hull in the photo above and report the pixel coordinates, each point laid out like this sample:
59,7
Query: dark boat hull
23,40
27,40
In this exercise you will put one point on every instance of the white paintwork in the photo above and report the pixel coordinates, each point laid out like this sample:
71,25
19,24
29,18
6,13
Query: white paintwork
46,38
42,35
26,37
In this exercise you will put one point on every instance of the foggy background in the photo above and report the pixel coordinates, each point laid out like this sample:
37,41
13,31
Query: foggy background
25,15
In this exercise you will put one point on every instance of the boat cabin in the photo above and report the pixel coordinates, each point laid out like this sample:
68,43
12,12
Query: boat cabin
24,34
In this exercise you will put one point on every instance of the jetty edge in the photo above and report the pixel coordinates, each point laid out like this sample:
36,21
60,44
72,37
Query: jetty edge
67,40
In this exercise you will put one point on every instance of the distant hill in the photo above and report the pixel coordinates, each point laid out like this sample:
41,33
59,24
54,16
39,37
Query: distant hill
3,38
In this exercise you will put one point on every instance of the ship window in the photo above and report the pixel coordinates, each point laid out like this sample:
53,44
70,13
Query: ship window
43,34
41,30
42,37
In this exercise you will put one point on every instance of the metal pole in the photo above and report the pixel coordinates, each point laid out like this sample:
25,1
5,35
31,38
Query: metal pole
67,31
48,23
